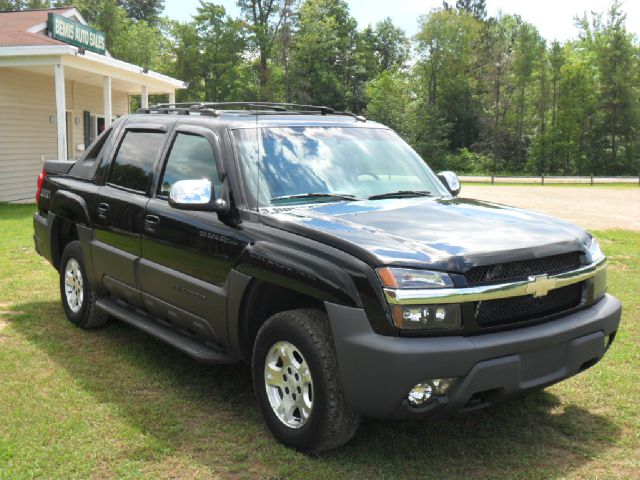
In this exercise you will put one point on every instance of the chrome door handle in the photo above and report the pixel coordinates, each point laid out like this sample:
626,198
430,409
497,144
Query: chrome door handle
151,223
103,210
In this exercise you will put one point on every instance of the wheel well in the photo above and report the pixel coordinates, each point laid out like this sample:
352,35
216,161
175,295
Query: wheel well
262,301
63,233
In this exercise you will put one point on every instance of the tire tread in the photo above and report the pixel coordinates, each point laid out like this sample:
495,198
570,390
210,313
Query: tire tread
340,423
90,316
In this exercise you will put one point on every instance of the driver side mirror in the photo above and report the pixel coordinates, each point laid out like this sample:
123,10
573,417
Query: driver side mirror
196,195
450,180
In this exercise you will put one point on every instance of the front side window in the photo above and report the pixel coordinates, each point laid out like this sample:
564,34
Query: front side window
133,165
285,164
191,158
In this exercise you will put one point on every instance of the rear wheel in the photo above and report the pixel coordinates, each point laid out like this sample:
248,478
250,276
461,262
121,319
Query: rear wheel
78,298
295,377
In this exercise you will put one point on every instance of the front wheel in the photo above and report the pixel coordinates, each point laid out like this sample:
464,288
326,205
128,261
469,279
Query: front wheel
295,377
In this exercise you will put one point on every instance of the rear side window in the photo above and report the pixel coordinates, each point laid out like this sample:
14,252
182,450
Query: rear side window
88,164
133,165
191,158
96,148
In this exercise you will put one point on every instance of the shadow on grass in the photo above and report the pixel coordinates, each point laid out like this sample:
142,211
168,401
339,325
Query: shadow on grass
209,413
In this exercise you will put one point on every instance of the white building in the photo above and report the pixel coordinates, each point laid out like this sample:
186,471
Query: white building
56,94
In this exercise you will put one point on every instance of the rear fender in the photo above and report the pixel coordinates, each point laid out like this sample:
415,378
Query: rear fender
71,207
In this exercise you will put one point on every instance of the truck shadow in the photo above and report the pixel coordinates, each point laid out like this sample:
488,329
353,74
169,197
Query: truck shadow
214,406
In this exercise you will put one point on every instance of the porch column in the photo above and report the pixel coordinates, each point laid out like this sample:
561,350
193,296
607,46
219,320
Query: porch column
145,97
172,97
61,117
106,91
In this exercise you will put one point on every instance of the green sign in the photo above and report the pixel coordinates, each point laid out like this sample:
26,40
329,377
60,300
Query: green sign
74,33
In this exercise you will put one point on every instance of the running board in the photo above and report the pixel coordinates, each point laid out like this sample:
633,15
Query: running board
192,347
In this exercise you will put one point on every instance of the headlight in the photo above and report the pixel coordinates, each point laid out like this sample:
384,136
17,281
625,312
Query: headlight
594,254
408,278
427,317
420,317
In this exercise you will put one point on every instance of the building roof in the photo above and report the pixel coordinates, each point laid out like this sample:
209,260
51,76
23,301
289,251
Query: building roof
17,28
23,35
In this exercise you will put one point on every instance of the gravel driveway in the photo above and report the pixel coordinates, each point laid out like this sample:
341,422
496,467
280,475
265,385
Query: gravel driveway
592,208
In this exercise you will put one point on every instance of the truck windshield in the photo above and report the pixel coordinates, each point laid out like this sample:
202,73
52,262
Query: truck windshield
294,165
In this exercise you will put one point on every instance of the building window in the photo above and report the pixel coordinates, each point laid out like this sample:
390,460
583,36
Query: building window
71,151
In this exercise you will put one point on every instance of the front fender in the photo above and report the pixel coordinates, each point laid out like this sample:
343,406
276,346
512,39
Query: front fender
299,271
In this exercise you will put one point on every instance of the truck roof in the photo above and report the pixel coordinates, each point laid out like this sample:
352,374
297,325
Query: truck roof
252,114
251,120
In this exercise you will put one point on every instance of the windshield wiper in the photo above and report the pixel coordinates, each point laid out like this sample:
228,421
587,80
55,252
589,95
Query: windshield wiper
342,196
400,194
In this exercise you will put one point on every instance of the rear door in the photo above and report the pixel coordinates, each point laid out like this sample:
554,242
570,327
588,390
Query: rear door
187,255
120,207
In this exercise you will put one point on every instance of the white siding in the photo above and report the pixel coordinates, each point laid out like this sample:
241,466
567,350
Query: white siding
27,103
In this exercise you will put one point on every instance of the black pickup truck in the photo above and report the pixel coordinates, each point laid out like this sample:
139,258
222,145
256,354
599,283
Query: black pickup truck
320,248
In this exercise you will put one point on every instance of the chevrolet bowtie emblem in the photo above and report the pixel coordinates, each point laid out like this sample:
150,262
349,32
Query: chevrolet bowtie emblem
539,285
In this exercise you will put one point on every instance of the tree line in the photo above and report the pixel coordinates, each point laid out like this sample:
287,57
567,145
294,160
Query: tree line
469,92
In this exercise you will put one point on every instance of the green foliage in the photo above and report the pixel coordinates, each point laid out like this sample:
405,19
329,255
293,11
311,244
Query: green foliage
477,8
466,161
445,45
389,101
263,19
387,45
147,10
486,94
14,5
321,53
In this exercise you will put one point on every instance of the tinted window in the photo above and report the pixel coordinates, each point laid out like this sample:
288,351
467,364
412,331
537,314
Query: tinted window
191,158
289,161
133,166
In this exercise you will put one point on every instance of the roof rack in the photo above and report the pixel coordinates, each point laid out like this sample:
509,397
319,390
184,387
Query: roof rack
258,108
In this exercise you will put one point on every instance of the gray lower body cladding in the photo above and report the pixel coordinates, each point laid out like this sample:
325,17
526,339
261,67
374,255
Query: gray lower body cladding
377,372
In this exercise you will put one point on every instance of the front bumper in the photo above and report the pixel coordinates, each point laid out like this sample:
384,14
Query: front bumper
377,372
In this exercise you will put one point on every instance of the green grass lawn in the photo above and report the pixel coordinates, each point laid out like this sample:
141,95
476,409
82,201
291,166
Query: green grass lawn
115,403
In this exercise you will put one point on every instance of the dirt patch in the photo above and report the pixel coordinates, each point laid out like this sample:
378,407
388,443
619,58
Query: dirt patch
599,209
3,325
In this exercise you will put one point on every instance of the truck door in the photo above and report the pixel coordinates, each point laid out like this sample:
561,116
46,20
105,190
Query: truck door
187,255
120,206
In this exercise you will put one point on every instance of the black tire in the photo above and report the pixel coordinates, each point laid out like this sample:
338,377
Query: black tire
330,423
87,315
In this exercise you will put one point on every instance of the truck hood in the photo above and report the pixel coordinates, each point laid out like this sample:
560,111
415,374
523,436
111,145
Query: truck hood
452,234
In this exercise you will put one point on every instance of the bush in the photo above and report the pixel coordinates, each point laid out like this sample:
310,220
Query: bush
466,161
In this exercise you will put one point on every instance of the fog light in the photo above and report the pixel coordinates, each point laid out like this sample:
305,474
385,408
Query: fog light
441,386
424,391
420,394
427,317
